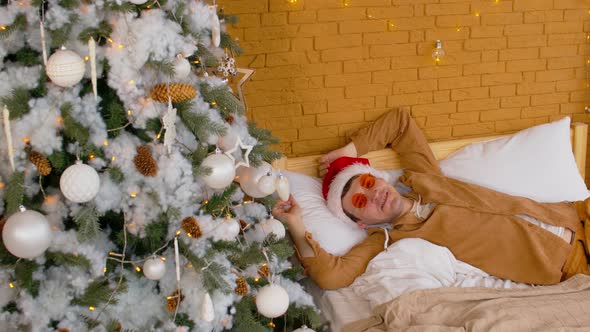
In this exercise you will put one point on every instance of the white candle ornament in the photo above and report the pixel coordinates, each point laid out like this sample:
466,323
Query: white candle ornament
177,259
6,119
92,55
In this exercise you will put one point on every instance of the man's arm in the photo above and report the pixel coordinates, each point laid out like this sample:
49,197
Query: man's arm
328,271
400,130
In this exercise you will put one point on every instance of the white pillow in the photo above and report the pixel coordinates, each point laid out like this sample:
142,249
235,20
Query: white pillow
537,163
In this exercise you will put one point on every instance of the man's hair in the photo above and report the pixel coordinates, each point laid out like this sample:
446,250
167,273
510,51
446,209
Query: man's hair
345,190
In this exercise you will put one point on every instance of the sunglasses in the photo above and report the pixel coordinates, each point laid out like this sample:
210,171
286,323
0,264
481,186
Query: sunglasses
367,181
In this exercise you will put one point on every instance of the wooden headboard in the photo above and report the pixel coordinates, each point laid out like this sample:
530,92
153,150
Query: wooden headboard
387,159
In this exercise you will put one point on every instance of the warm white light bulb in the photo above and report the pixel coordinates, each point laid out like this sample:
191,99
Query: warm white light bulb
438,51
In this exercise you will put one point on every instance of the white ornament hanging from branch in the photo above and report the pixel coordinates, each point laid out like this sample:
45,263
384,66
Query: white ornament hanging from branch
283,187
169,121
154,268
65,68
26,234
222,168
227,66
92,55
182,67
215,26
272,301
79,183
43,43
207,309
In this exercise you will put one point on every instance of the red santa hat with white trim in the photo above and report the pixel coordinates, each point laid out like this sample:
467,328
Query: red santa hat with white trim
339,173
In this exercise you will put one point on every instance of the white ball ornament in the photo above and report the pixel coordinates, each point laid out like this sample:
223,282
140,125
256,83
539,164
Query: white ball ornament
249,178
182,67
65,68
215,27
138,2
26,234
272,301
154,268
283,187
222,171
273,226
304,329
79,183
266,184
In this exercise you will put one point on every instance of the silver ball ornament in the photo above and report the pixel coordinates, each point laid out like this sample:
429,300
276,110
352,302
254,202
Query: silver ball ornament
26,234
154,268
266,184
79,183
222,173
272,301
65,68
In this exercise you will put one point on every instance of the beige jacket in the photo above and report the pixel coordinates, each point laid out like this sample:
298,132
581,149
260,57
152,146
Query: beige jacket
477,224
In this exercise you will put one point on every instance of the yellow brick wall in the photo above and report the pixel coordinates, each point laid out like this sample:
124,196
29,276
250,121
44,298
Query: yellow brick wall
327,67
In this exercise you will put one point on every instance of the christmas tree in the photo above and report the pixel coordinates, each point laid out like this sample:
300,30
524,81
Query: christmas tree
122,149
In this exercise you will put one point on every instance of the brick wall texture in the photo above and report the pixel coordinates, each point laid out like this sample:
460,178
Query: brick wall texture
327,67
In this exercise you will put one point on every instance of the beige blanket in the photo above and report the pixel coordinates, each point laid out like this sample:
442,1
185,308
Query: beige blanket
562,307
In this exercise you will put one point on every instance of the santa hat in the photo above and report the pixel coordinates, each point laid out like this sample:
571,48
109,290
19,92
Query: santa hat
339,172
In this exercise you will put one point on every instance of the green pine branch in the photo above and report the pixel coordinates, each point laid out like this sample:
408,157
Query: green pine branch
280,248
199,124
14,192
87,221
98,292
72,128
23,272
262,135
61,36
227,42
41,89
155,236
111,108
20,23
69,4
261,153
203,54
297,316
293,273
212,279
245,319
165,67
125,7
100,33
58,160
91,323
6,258
17,103
244,257
182,319
217,205
62,258
28,57
226,102
116,174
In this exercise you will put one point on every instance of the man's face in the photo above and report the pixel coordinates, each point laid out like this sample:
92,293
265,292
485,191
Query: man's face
383,202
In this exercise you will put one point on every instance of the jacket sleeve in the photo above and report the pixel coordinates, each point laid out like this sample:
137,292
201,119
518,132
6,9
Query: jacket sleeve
332,272
400,130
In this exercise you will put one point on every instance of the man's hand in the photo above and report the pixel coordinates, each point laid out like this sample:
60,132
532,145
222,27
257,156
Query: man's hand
287,211
349,150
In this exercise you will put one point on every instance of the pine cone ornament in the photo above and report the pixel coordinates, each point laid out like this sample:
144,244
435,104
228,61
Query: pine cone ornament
178,92
191,226
229,119
264,270
241,286
144,162
174,300
41,162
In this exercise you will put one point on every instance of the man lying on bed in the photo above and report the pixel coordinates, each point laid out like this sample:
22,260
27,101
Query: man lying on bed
507,236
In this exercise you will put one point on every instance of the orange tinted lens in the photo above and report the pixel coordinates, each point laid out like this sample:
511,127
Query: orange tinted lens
359,200
367,181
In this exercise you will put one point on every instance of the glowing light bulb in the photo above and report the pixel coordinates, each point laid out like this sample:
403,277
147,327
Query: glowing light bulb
177,232
26,139
133,195
214,103
91,308
105,143
138,269
86,58
128,112
113,158
60,120
476,13
438,52
104,270
120,46
163,259
3,27
11,285
91,156
131,82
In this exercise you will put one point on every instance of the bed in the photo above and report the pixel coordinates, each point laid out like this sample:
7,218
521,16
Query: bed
344,306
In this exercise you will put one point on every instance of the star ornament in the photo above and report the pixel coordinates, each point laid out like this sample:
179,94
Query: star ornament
239,86
245,161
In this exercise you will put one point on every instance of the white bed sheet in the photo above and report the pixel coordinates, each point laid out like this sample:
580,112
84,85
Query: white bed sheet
407,265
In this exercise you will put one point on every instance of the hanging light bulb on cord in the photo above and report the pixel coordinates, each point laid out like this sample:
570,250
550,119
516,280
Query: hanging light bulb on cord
438,52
